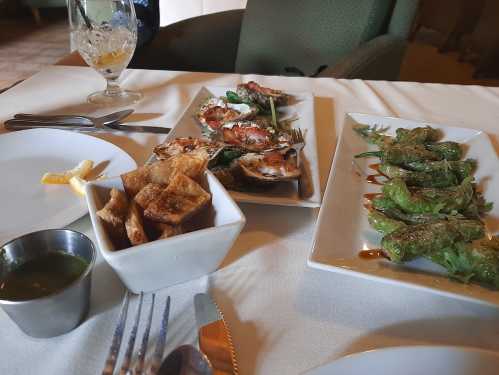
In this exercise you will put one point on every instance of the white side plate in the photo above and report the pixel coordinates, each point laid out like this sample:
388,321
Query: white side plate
414,360
26,204
285,194
343,230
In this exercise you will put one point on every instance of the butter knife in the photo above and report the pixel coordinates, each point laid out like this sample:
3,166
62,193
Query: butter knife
214,336
22,124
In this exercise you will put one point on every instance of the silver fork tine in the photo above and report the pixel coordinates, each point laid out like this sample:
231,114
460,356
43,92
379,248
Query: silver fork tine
298,143
117,337
139,369
160,344
131,341
301,135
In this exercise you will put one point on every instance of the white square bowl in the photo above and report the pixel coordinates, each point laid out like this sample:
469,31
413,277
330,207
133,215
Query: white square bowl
162,263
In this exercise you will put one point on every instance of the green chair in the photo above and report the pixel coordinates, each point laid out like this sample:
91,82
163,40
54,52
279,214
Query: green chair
326,38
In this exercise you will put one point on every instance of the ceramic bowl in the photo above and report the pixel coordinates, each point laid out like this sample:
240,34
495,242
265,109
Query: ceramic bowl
162,263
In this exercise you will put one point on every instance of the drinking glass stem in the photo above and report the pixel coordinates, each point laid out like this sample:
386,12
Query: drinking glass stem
113,88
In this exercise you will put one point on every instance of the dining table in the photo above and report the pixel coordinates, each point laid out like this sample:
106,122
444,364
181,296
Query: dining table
284,317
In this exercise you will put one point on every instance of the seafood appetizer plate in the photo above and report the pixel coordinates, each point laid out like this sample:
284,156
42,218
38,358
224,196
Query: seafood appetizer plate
414,360
27,204
430,249
262,187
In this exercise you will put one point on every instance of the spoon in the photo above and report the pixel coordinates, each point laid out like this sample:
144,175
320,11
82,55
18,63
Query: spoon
75,119
186,360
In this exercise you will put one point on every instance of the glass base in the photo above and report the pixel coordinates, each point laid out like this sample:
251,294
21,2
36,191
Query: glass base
121,98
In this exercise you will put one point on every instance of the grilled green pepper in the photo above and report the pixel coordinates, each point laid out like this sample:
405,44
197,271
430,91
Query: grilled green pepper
471,262
418,240
443,178
428,200
461,168
382,223
401,154
425,134
446,150
391,210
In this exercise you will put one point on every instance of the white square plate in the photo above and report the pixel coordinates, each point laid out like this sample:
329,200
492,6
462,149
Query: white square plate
343,230
285,194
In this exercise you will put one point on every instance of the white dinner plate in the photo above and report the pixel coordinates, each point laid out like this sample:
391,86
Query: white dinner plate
343,230
284,194
415,360
25,204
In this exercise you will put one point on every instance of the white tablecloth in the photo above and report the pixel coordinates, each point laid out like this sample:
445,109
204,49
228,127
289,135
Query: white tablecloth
285,318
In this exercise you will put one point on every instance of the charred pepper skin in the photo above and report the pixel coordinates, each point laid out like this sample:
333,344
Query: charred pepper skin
376,135
425,134
461,168
391,210
441,179
401,154
429,200
446,150
382,223
420,240
398,192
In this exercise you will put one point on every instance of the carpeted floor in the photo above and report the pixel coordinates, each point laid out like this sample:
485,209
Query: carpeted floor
26,48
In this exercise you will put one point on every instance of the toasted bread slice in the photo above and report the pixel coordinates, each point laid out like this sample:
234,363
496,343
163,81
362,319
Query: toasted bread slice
183,198
192,165
115,210
168,230
135,226
147,194
160,172
114,214
158,231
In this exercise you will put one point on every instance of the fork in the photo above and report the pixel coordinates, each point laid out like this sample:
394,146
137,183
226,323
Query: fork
114,350
298,144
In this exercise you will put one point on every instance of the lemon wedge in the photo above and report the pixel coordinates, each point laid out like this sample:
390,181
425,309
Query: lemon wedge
81,170
78,185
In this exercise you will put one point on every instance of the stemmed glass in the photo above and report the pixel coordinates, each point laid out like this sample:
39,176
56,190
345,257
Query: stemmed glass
105,34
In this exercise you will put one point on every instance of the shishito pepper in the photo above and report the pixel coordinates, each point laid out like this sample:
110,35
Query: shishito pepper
414,241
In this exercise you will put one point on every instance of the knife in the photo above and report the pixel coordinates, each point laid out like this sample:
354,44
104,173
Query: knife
21,124
214,336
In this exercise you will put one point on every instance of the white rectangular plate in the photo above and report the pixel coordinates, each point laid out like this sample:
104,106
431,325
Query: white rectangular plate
343,230
285,194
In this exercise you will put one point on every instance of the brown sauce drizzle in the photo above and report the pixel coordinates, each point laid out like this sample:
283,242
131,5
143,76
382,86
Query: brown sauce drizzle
372,179
372,254
375,167
370,196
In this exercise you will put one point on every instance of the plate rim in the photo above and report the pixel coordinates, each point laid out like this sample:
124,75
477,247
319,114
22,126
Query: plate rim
417,347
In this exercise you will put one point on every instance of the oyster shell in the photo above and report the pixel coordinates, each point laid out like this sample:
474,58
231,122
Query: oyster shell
249,135
188,145
269,167
215,112
254,93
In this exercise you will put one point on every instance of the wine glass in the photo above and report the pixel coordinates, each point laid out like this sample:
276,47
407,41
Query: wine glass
105,34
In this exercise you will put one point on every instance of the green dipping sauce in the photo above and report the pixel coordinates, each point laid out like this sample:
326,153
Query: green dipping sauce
42,276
